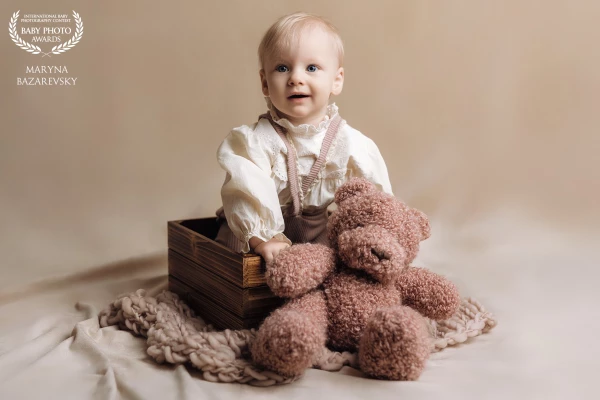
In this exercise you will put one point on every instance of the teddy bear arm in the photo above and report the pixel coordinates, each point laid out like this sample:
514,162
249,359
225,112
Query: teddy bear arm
430,294
299,269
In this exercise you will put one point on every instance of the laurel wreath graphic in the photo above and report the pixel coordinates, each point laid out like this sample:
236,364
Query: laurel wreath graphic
61,48
33,49
12,30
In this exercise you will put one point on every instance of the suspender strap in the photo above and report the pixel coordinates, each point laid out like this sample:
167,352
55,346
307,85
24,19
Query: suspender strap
295,188
327,140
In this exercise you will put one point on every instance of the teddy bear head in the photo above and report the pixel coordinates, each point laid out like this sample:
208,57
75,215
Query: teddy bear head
374,232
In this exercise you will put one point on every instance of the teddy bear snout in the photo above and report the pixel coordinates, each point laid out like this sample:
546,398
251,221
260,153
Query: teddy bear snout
374,250
380,254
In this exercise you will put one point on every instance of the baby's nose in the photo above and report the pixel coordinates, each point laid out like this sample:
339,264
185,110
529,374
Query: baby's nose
296,77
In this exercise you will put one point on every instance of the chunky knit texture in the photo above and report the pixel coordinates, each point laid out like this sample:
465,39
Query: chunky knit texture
174,335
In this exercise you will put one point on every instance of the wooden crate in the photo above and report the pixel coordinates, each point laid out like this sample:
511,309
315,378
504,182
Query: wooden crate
225,288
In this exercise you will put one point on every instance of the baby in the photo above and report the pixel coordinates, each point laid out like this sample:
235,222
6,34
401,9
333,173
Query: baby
282,171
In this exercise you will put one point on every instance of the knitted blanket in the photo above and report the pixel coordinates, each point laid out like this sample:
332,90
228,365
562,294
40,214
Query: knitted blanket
175,335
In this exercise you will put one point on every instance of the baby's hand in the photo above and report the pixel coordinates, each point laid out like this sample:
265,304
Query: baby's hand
270,249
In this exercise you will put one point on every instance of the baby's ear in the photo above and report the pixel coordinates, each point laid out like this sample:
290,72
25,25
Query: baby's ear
263,82
338,83
352,188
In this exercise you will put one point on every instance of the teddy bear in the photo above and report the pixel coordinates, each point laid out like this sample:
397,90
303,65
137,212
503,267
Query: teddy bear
360,293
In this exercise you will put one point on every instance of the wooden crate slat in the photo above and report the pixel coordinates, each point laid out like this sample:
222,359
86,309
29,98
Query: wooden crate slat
211,312
201,280
260,300
243,302
254,271
189,242
226,288
185,227
215,263
245,270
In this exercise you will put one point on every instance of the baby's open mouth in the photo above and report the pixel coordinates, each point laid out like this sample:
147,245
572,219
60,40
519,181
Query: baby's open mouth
298,96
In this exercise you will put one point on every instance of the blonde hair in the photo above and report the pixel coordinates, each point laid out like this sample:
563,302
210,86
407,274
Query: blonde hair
287,29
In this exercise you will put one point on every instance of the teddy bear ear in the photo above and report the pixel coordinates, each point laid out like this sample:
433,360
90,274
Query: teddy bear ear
352,188
423,222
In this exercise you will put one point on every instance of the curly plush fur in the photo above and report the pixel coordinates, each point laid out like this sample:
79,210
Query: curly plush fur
360,293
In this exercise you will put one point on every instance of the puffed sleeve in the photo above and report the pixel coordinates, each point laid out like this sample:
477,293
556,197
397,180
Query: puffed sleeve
366,161
249,196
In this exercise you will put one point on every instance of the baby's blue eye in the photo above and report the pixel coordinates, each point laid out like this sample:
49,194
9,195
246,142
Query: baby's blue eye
312,68
281,68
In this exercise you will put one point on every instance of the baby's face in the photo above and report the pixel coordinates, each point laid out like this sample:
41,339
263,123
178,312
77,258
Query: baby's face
309,68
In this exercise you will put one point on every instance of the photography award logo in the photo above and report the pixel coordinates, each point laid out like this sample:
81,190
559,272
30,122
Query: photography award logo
57,30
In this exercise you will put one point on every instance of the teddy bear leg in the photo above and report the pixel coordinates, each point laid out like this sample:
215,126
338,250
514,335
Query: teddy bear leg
394,345
290,338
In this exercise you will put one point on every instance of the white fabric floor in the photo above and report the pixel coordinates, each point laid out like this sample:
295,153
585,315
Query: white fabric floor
538,281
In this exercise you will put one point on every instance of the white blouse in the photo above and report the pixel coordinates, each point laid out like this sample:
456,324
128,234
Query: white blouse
256,189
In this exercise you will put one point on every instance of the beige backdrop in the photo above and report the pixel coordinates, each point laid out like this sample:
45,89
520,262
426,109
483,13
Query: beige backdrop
499,99
487,114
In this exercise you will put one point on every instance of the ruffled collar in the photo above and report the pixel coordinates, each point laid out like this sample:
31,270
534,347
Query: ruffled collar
303,129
